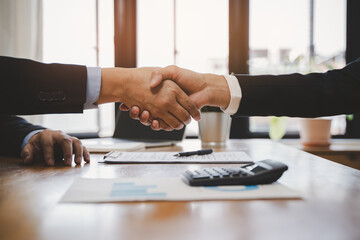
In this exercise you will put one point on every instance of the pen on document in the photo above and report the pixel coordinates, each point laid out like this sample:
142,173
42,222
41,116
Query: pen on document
199,152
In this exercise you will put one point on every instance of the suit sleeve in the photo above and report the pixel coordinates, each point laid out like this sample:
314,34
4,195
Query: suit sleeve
313,95
13,131
29,87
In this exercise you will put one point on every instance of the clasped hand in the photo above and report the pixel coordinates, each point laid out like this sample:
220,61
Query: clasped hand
199,89
167,102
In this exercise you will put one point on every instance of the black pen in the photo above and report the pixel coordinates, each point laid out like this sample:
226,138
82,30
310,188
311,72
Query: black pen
199,152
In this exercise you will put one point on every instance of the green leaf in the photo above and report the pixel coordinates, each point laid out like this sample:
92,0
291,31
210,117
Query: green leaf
350,117
277,127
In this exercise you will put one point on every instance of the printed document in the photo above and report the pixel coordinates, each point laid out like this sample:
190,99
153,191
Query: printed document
85,190
168,157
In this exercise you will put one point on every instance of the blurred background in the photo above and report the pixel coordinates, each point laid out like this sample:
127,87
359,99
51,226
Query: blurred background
284,37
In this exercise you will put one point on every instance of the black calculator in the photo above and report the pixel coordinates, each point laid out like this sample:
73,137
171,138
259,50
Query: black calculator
261,172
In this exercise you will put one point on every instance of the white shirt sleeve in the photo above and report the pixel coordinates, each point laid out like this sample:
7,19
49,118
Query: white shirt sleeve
235,94
92,87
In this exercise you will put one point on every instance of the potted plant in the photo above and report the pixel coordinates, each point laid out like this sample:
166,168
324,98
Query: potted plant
277,127
214,126
315,132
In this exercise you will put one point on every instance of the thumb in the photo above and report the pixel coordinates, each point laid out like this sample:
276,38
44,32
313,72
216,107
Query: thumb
161,74
156,79
198,99
27,154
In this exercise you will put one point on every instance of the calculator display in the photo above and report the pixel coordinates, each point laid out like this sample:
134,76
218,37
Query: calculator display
258,169
255,168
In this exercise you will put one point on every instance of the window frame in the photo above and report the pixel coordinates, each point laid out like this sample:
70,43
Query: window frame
239,13
125,53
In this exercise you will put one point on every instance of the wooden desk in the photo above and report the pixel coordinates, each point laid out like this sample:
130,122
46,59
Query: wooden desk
343,151
30,208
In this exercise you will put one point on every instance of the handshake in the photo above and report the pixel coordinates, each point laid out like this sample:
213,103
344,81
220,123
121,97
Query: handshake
163,98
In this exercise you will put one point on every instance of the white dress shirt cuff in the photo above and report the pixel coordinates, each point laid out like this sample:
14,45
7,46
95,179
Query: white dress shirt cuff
235,94
27,138
92,87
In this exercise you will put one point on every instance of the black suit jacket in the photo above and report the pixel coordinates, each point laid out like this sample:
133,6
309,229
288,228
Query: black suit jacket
313,95
13,131
29,87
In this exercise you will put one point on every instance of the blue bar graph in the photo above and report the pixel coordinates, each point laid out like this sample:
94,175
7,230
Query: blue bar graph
237,189
130,189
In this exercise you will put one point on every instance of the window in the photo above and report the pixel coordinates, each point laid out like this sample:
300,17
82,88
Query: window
69,36
191,34
280,39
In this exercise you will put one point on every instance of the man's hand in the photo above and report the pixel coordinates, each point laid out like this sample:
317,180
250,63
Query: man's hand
166,101
203,89
50,145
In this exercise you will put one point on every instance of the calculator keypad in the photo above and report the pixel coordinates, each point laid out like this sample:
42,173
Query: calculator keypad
217,172
261,172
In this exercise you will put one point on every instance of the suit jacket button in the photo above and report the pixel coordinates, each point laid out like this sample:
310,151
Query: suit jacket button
54,96
61,96
49,96
42,96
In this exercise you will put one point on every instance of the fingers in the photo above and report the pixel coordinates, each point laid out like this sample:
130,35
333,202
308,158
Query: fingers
47,142
27,154
190,106
70,146
181,115
47,145
170,104
86,155
172,121
134,112
178,105
155,125
78,150
175,120
123,107
164,126
145,118
66,146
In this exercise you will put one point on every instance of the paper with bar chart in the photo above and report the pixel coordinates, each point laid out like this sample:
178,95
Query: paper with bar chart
166,189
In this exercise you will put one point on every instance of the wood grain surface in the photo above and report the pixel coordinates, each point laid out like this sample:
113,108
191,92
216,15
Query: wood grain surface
330,208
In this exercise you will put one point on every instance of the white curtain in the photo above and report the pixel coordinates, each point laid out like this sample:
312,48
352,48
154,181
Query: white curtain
21,32
21,28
